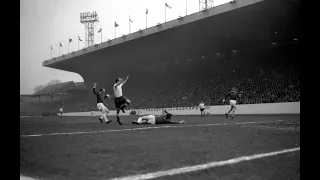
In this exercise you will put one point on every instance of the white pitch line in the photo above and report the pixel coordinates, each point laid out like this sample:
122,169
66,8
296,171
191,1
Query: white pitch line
199,167
145,128
75,122
26,178
71,122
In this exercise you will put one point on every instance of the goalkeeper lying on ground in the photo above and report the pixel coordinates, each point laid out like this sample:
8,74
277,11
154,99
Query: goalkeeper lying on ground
165,118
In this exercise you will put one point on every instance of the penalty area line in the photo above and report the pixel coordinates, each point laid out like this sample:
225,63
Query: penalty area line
199,167
146,128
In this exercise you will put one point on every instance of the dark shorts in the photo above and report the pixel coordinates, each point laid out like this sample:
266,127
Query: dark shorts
201,109
119,101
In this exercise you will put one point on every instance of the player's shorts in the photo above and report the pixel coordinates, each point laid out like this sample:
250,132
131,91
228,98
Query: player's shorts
119,101
233,102
100,106
151,119
201,109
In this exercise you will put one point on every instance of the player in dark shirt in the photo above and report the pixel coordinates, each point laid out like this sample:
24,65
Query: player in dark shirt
233,95
164,118
100,97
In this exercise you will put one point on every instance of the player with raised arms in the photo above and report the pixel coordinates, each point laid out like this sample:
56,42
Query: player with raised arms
233,95
120,101
100,97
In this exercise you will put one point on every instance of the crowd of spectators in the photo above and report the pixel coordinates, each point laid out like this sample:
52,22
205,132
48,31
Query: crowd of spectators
275,78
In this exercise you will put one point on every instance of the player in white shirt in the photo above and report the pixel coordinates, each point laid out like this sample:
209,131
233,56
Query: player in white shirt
120,101
92,112
201,106
164,118
61,112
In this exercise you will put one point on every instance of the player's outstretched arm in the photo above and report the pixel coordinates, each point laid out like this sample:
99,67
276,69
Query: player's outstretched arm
94,88
227,95
107,96
166,121
125,80
176,122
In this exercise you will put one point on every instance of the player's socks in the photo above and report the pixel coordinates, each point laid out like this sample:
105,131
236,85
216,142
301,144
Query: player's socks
109,121
122,107
100,119
118,119
226,115
105,118
135,122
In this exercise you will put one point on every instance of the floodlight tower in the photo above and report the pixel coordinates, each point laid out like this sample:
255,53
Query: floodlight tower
89,19
205,4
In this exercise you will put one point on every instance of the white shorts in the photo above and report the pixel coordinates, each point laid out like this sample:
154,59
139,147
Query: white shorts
151,119
233,102
100,106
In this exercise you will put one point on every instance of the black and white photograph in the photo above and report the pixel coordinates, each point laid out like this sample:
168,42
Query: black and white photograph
160,89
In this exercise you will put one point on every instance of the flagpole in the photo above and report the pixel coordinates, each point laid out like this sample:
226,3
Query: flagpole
186,7
146,20
165,12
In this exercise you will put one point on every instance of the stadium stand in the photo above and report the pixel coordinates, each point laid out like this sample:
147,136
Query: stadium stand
267,76
56,88
47,100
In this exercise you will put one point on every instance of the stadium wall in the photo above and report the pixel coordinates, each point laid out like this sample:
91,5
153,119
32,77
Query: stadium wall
269,108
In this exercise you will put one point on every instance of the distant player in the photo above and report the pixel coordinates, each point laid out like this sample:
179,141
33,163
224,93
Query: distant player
233,95
164,118
201,106
92,112
61,112
120,101
100,97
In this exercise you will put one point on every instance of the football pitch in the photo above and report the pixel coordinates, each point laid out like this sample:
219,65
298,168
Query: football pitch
247,147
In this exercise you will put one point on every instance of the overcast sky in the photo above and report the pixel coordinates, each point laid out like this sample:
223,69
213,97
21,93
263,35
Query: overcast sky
45,23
